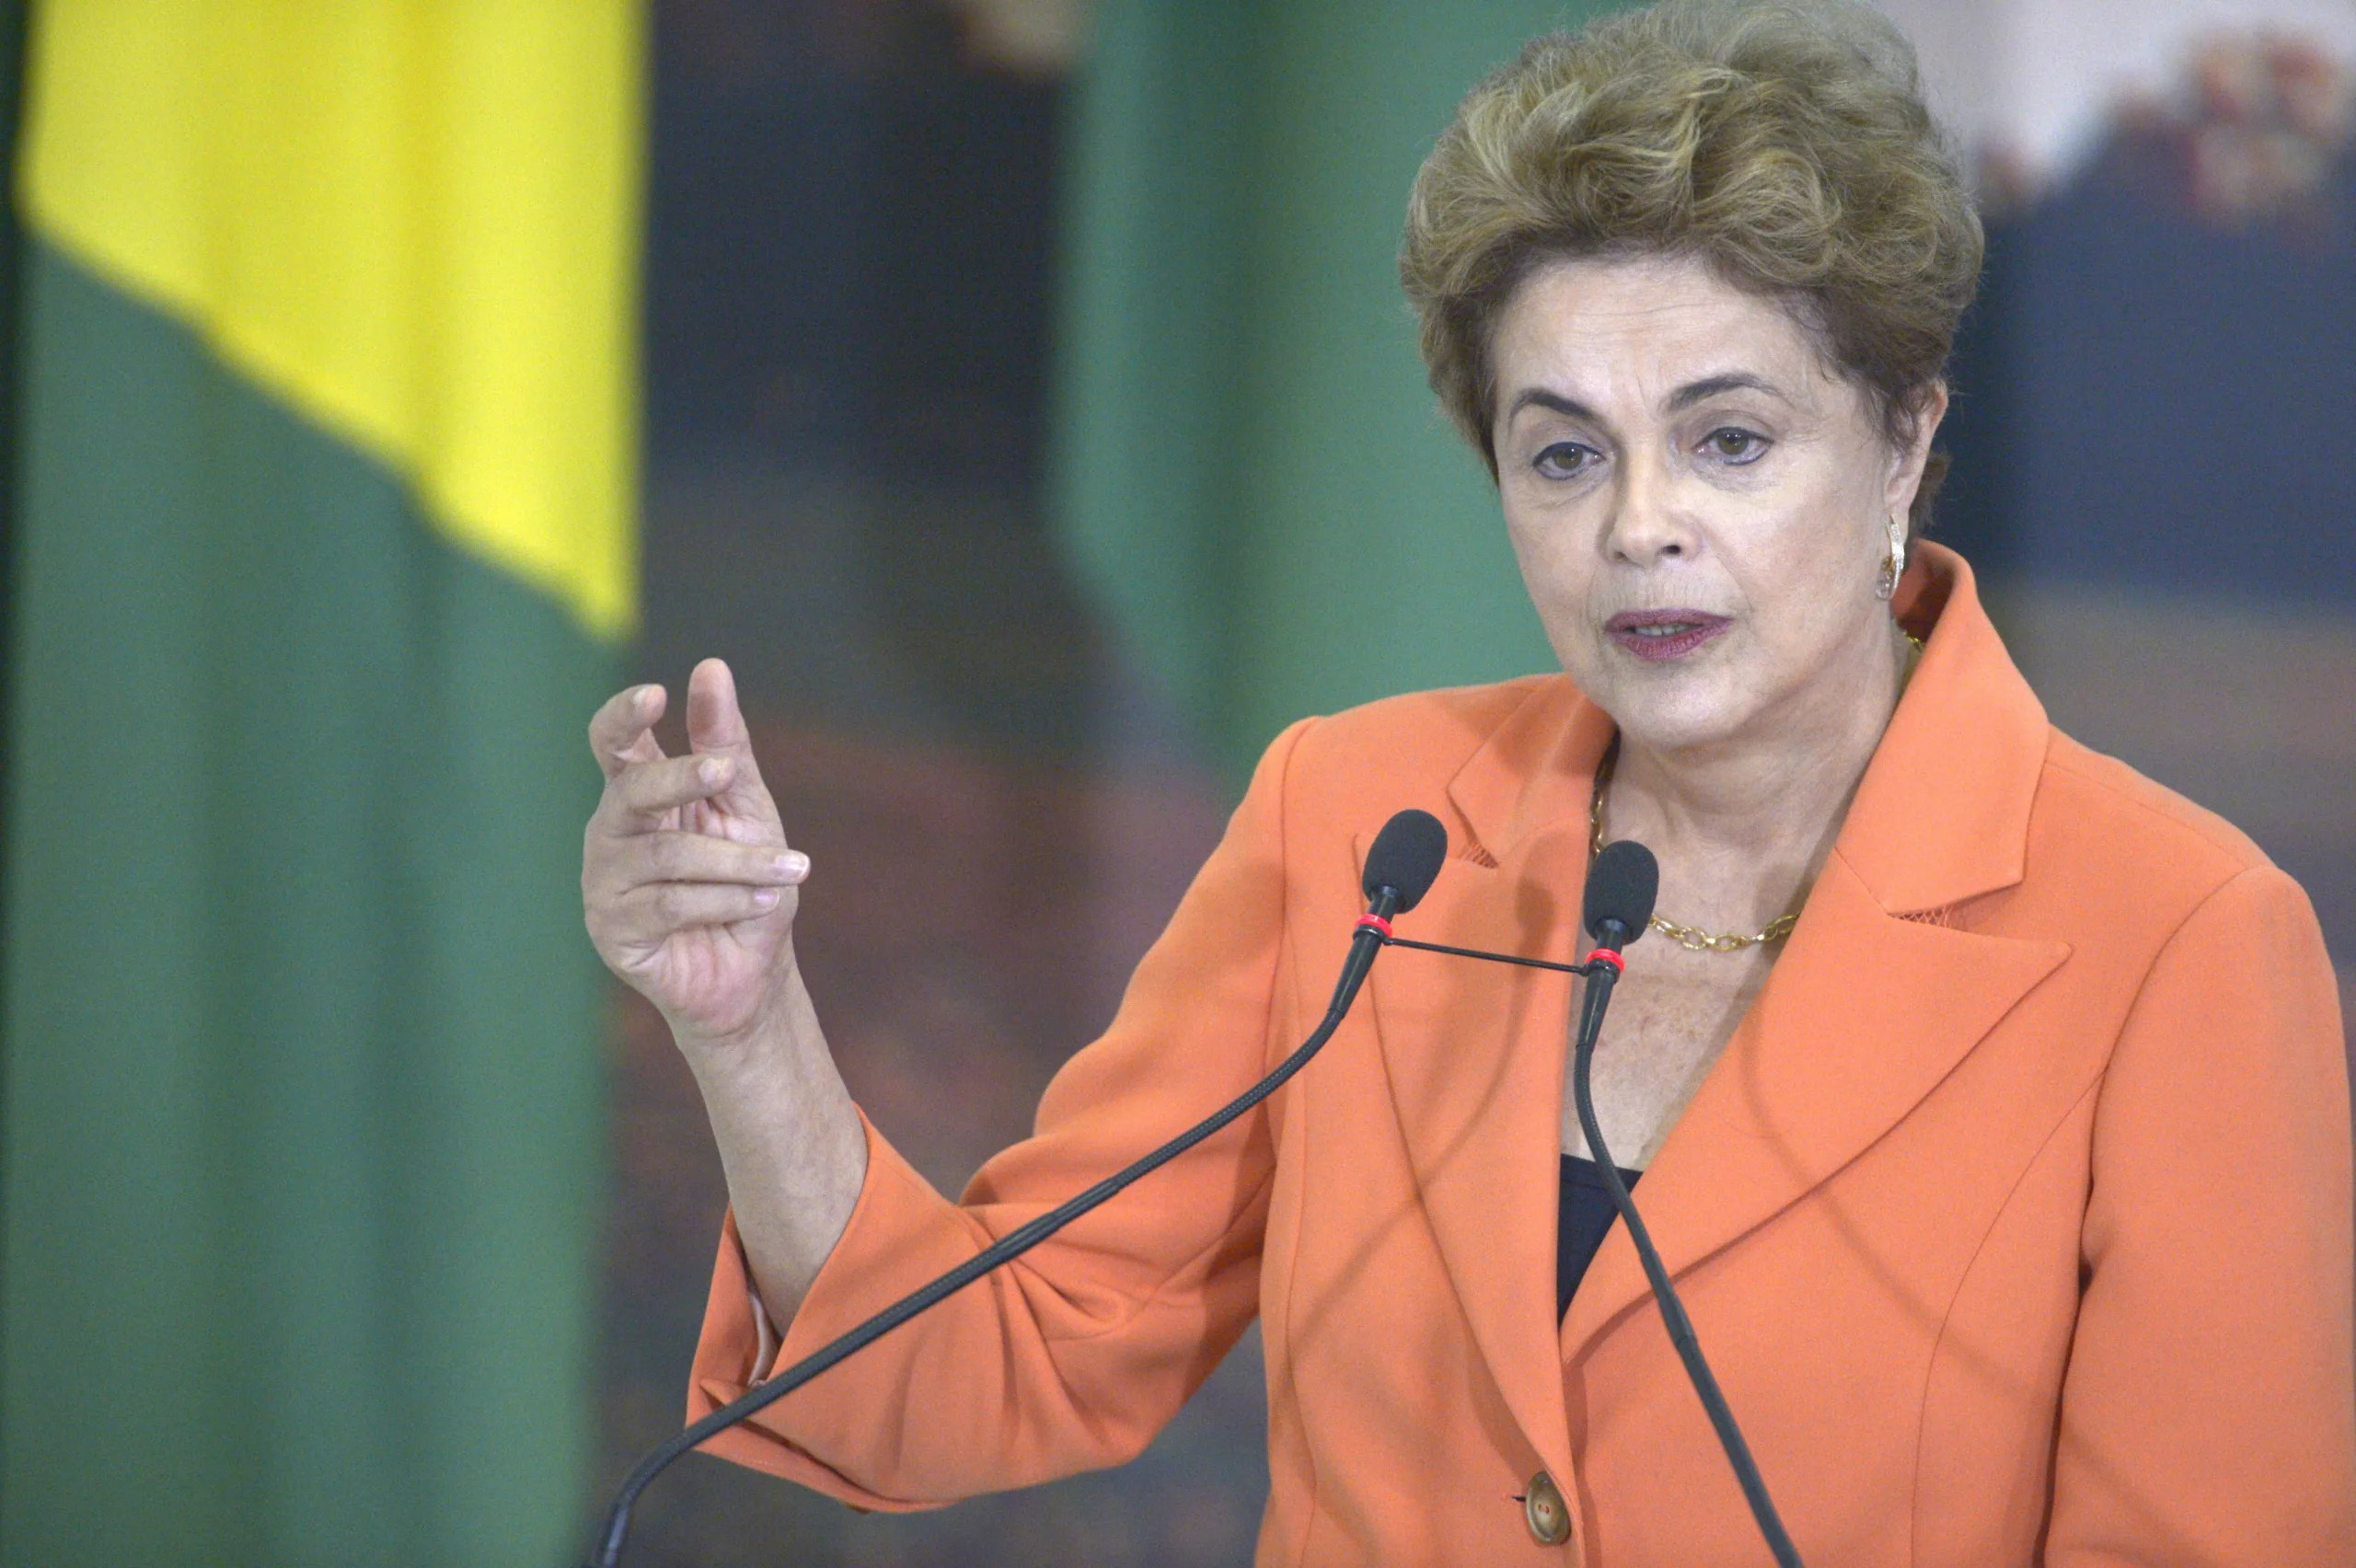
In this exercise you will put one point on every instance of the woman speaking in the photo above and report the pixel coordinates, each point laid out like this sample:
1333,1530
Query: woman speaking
1987,1100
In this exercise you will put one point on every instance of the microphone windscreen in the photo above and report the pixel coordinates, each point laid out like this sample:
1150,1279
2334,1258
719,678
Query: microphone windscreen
1621,886
1405,857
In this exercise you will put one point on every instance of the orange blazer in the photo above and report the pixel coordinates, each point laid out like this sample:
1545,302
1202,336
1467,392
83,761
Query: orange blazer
2015,1218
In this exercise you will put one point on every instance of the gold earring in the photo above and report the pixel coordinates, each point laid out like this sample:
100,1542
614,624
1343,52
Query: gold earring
1893,566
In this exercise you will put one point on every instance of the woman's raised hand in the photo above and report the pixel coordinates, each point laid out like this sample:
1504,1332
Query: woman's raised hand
690,891
686,877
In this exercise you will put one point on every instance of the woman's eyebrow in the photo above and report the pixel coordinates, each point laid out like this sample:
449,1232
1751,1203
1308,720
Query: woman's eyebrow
1539,397
1709,386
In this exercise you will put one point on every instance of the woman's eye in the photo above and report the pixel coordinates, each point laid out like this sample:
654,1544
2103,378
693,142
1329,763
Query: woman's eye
1564,459
1736,446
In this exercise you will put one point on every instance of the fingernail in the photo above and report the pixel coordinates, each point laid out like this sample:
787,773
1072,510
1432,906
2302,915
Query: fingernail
793,863
765,897
711,770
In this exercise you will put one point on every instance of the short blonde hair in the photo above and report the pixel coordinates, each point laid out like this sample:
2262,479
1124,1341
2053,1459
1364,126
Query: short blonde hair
1785,143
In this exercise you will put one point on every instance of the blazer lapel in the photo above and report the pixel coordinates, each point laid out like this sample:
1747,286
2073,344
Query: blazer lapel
1474,1056
1864,1013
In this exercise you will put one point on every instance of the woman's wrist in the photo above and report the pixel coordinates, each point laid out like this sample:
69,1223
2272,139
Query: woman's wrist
771,1087
781,1023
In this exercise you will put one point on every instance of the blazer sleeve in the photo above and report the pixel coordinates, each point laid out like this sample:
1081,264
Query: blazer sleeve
1074,1355
2209,1415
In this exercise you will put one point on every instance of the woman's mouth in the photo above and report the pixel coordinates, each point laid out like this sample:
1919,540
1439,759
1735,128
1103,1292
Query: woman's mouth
1664,634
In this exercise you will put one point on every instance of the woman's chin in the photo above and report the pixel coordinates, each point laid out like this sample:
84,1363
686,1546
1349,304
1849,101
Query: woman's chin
1677,715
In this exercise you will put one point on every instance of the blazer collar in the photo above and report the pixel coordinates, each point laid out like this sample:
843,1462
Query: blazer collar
1864,1013
1941,814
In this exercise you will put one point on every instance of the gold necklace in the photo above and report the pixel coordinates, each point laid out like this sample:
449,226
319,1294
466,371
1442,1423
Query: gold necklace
1692,938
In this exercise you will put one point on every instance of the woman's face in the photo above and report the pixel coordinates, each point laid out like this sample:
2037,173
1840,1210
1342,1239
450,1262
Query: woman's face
1699,502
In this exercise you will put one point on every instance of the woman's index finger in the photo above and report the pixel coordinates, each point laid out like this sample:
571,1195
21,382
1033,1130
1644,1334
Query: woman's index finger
622,731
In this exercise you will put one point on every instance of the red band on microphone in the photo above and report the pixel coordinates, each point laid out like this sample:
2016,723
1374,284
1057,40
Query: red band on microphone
1374,923
1605,955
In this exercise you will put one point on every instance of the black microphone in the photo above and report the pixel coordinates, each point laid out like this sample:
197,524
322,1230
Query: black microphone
1621,887
1404,860
1400,866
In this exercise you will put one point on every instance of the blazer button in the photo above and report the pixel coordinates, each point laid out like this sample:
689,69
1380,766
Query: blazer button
1549,1515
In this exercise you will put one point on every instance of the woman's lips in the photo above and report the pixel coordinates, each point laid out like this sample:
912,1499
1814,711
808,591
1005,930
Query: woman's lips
1660,635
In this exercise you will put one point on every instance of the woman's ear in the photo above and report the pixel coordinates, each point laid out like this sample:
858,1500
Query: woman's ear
1929,406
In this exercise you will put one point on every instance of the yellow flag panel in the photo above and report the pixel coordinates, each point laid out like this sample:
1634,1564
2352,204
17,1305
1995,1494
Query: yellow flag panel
416,221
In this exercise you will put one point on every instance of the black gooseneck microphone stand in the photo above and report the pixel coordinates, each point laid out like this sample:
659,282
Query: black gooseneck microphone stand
1400,868
1621,887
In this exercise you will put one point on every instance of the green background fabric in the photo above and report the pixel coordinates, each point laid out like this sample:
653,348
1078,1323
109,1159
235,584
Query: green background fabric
1250,470
302,1131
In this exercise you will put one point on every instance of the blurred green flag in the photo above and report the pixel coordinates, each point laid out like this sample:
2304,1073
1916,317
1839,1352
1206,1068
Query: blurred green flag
324,529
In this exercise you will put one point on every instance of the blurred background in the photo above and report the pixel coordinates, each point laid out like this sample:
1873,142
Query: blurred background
1019,394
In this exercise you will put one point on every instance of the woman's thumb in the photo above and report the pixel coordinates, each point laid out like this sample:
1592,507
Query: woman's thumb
716,724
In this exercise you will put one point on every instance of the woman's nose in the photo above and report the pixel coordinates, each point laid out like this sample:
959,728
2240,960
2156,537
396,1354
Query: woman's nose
1648,521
